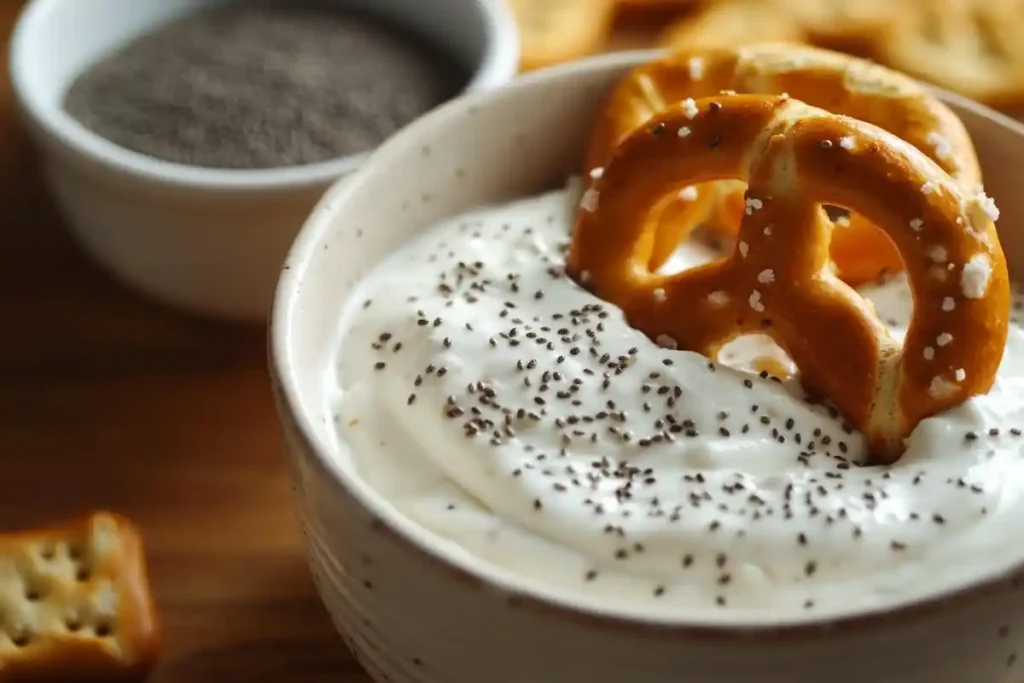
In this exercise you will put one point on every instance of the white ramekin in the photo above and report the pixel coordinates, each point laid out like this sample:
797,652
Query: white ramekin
411,606
207,240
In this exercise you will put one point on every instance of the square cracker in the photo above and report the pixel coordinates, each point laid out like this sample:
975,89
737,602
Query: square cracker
75,603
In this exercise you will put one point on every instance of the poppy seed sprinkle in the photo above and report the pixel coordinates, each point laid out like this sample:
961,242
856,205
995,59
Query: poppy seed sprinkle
585,456
262,85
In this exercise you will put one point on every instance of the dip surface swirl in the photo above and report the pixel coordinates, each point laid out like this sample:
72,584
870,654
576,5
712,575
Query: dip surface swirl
521,420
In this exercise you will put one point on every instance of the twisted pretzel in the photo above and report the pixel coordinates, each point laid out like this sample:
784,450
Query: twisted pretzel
836,82
777,280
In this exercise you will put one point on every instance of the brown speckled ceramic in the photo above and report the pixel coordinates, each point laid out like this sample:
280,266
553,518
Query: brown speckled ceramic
413,611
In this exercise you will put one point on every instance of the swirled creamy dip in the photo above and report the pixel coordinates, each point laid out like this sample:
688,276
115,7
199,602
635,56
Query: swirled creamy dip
525,423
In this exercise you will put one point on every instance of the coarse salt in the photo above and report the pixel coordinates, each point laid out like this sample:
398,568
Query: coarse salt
941,388
938,254
589,200
696,68
975,276
690,108
755,301
718,298
988,205
940,144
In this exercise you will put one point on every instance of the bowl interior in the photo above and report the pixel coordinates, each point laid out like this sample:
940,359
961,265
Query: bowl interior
56,40
485,149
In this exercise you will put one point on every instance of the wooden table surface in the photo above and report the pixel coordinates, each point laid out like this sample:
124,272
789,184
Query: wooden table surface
108,400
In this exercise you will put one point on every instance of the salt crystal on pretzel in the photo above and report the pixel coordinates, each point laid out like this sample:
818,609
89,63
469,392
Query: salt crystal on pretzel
75,603
840,83
788,154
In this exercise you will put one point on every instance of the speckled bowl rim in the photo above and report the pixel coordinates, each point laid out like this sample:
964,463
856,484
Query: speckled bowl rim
498,66
481,575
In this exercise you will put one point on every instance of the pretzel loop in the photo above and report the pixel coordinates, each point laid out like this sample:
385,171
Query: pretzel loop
836,82
777,281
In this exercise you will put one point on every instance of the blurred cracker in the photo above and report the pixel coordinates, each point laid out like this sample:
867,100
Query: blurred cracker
634,36
734,22
845,25
556,31
655,10
972,47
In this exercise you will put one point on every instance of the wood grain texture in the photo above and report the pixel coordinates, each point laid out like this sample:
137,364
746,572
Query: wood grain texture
109,400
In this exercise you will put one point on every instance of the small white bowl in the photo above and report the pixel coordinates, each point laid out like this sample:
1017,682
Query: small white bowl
413,607
207,240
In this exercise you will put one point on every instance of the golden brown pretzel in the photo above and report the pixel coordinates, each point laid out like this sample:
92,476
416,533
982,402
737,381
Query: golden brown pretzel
840,83
795,157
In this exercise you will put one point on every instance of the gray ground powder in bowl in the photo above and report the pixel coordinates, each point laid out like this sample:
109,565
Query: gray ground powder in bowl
262,86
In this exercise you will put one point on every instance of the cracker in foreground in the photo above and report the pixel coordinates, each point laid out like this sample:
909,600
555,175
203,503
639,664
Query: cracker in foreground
556,31
75,603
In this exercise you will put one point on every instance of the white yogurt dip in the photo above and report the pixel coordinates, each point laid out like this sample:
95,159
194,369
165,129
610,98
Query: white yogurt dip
520,419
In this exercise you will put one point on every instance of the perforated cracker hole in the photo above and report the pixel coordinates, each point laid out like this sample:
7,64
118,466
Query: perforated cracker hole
83,574
73,624
21,638
104,630
932,26
989,37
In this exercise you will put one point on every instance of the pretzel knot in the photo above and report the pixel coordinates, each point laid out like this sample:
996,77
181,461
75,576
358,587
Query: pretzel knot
831,80
777,281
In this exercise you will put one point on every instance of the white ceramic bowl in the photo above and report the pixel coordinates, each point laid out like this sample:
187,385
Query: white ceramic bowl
211,241
415,610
